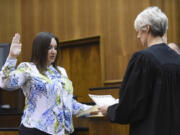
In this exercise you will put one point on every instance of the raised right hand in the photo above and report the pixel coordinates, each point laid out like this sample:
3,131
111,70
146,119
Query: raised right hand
15,48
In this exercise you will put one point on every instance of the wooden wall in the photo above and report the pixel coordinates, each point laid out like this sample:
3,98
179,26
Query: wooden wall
112,20
81,59
10,22
9,133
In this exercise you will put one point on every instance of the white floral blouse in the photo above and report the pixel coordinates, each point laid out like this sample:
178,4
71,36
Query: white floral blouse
49,102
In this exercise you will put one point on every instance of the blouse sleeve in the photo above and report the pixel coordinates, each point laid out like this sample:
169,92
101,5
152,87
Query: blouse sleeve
12,78
79,107
135,91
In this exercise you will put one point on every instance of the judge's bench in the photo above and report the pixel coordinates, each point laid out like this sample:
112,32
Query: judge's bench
100,125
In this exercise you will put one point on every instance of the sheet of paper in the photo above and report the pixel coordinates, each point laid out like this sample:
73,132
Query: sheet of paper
101,100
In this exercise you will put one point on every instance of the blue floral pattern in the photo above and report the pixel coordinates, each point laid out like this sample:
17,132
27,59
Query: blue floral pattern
48,98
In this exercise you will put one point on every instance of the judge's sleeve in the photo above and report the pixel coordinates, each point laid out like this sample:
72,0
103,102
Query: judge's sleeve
135,91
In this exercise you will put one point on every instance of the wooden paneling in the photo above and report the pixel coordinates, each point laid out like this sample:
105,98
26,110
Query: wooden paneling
10,12
112,20
101,126
172,9
10,19
10,121
81,59
10,98
79,123
9,133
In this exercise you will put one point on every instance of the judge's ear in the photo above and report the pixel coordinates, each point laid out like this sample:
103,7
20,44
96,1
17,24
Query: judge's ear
148,28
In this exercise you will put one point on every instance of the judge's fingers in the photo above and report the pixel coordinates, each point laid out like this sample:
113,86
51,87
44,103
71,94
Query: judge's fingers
103,109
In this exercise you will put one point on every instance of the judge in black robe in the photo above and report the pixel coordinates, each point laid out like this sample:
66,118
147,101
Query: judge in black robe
149,97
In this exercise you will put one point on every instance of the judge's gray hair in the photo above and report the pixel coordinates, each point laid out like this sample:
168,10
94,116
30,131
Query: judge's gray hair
155,18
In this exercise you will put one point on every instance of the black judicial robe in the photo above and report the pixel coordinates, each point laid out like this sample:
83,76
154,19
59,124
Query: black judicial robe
150,93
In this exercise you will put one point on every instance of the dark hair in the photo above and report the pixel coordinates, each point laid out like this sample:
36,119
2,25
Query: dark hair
40,48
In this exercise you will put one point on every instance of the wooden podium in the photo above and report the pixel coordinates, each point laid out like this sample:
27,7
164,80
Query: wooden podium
101,126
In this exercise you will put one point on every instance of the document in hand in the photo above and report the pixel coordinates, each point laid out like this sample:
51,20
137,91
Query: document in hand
101,100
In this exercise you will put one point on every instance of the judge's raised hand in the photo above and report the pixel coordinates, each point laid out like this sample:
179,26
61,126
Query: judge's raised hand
15,48
103,109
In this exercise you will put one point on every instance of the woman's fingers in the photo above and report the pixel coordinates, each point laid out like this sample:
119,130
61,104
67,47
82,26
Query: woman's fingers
15,46
16,38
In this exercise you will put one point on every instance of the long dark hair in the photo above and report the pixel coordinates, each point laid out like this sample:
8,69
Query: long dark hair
40,47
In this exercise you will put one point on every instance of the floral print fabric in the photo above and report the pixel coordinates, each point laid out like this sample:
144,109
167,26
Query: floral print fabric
49,102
